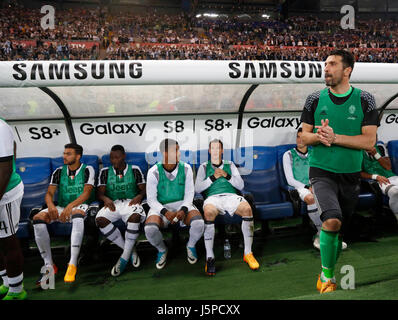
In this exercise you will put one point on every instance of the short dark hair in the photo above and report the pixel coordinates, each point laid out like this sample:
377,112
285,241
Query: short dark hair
215,141
346,56
118,147
166,144
77,147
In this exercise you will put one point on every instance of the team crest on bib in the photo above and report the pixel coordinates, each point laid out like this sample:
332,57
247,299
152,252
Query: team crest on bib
351,109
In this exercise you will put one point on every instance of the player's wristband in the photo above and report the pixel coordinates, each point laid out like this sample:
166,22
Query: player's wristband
377,156
374,176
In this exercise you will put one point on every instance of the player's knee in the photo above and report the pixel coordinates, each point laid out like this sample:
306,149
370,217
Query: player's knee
309,199
78,213
41,216
244,210
332,224
101,222
134,218
210,212
209,215
150,230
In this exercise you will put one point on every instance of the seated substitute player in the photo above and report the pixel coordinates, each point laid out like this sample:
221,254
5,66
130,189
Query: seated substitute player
11,193
121,188
170,192
75,183
296,167
377,165
219,181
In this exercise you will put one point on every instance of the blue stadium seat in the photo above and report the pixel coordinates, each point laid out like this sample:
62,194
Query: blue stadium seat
23,230
135,158
260,174
393,153
35,174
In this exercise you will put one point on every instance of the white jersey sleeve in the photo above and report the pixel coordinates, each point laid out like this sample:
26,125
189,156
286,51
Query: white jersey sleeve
189,187
152,189
236,179
91,176
288,170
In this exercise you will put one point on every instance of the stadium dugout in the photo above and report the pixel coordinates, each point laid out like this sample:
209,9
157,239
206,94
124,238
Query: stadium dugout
254,107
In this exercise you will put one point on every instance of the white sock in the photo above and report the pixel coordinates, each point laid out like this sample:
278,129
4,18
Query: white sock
113,234
76,238
195,231
43,242
393,202
389,189
315,217
155,237
130,236
209,234
3,275
15,283
248,230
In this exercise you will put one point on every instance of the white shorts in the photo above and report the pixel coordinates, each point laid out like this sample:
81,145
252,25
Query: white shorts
123,211
82,207
393,181
174,206
9,218
303,192
225,203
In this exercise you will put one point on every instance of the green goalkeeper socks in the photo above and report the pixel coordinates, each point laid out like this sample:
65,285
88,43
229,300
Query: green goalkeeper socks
329,244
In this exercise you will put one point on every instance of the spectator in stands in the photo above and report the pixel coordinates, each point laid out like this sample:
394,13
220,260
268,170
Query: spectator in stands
298,38
376,165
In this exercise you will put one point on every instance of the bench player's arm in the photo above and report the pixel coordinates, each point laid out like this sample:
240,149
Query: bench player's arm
88,188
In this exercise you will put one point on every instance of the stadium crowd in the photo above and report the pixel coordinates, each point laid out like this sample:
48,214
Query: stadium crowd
164,36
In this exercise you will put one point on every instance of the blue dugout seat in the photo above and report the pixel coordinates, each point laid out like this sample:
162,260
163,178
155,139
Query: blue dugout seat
393,154
35,174
260,174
